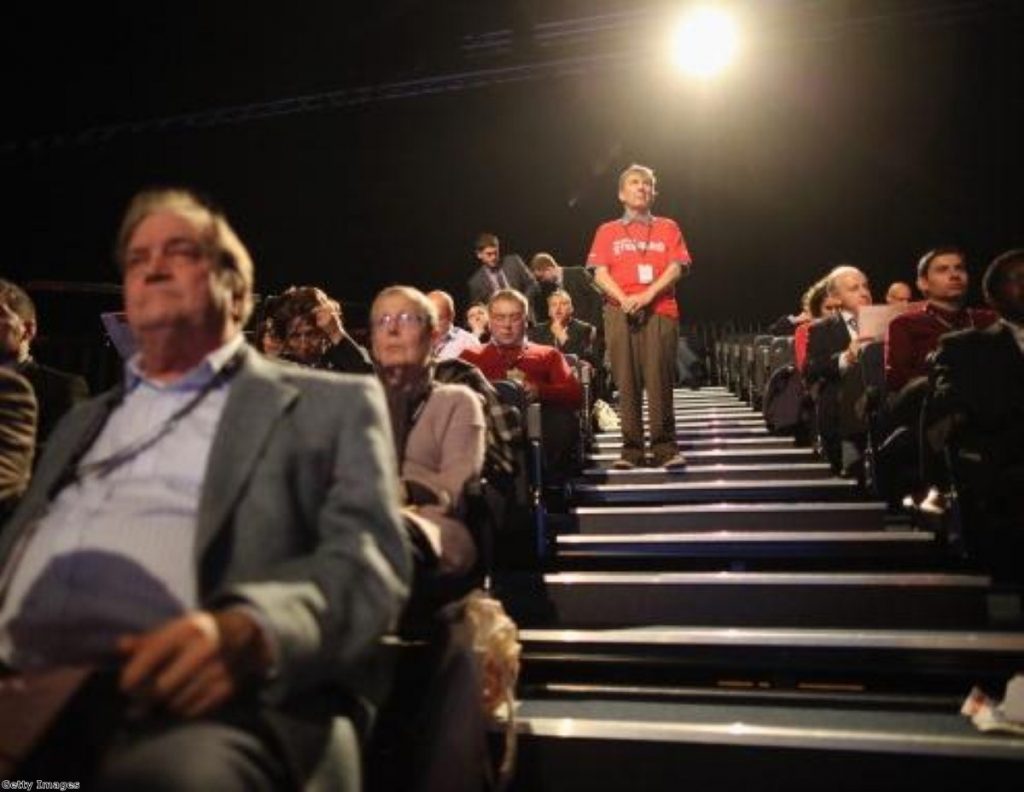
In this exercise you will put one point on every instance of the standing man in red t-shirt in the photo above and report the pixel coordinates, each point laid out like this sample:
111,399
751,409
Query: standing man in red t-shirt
636,261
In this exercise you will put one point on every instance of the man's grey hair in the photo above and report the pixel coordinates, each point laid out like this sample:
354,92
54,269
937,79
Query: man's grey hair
643,170
832,279
231,259
560,293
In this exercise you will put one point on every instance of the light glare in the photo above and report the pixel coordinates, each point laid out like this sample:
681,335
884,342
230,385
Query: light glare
706,42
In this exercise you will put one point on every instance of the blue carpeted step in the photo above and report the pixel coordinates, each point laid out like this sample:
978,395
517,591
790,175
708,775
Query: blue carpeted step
761,491
708,472
812,516
775,662
601,746
884,548
741,455
878,600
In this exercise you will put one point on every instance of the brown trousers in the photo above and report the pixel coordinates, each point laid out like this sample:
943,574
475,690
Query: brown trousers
643,358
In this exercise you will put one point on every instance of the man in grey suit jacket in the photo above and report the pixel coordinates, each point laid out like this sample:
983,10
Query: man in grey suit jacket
223,532
496,273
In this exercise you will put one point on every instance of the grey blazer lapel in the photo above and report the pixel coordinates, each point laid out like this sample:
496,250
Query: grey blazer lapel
255,404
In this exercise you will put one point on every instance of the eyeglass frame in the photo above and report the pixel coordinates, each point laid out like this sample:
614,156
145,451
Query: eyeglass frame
404,319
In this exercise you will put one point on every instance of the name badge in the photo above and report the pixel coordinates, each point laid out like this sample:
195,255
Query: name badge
644,273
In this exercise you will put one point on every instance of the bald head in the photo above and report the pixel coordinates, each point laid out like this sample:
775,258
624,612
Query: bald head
898,293
850,287
445,306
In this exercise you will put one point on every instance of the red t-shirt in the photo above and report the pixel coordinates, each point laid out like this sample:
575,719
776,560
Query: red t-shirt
636,253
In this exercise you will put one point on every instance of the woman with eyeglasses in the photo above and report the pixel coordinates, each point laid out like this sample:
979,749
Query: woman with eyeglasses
438,431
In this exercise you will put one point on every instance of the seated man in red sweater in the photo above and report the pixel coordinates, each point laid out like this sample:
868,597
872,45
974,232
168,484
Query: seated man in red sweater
541,370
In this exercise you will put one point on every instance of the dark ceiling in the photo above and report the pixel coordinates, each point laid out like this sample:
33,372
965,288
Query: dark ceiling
356,146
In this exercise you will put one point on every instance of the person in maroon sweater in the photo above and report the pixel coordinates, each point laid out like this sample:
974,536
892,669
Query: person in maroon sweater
541,370
911,339
913,336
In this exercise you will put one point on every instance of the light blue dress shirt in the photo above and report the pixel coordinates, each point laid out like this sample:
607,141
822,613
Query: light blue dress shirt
451,344
114,553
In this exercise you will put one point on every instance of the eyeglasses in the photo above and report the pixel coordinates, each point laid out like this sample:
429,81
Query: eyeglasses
402,320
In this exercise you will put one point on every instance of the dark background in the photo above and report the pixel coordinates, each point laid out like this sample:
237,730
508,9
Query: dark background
356,147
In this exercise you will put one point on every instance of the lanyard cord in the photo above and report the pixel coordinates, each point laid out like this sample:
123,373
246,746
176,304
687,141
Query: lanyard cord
636,243
108,464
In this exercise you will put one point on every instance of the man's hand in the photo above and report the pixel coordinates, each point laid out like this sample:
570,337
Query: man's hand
629,304
532,391
560,331
644,298
852,352
328,320
194,664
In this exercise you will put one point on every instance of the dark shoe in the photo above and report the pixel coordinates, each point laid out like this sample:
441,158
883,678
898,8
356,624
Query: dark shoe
675,462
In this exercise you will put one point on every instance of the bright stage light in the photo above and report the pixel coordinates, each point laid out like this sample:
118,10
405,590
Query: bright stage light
705,42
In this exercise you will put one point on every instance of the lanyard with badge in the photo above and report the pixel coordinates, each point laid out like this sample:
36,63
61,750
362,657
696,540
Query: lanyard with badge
644,269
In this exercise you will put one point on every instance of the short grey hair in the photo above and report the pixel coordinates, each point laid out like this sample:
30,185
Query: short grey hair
832,279
643,170
231,259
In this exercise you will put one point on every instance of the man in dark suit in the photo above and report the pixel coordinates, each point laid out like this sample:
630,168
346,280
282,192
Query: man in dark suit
564,331
833,350
496,273
264,559
577,282
56,391
977,402
17,437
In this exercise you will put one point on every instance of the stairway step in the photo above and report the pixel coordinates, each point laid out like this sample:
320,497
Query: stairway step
741,455
696,421
715,491
704,472
877,600
609,440
907,663
597,745
865,516
709,443
879,547
970,642
710,408
738,413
